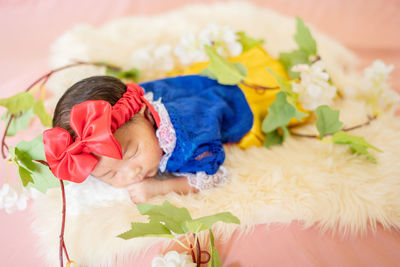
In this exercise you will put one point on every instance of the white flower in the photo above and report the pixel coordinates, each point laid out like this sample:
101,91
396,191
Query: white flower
223,38
190,49
374,86
313,88
173,259
13,199
153,58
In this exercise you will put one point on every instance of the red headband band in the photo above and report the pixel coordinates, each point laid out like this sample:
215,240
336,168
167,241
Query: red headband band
94,122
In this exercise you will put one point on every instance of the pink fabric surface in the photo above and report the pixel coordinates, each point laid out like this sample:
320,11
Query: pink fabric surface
370,28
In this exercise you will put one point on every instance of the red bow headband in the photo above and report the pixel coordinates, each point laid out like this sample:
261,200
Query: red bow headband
94,122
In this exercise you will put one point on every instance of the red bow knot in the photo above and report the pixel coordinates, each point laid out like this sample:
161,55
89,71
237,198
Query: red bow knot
94,122
73,160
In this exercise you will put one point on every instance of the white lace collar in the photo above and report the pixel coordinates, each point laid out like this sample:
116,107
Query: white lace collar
165,133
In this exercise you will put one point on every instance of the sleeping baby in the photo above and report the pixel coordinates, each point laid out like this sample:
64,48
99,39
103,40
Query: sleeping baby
125,134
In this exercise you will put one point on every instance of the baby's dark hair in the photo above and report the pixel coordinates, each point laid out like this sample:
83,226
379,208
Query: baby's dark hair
105,88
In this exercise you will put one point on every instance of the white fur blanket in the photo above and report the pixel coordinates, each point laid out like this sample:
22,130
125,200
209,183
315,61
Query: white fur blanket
305,180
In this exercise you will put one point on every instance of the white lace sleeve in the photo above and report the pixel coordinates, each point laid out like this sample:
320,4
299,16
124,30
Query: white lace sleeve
203,181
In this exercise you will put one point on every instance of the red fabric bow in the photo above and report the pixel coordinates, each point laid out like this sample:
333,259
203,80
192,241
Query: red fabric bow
94,123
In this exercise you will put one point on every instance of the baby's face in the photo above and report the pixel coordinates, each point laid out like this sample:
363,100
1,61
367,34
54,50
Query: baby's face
141,154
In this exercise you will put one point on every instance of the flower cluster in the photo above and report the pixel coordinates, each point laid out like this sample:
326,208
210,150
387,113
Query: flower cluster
375,87
223,38
173,259
313,89
153,58
13,198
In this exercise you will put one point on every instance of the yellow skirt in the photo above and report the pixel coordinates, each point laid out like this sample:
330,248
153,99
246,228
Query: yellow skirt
256,61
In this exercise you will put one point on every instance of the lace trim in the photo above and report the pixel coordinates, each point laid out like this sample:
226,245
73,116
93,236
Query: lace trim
203,181
165,133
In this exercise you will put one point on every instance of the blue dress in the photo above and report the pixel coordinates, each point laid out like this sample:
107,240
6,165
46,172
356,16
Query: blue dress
205,114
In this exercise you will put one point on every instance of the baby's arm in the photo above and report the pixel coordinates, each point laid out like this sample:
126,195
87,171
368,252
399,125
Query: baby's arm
150,187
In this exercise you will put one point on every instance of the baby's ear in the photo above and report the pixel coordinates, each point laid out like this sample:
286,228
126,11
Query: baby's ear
147,114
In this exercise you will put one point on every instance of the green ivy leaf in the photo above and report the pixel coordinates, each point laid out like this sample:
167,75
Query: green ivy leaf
286,87
146,230
19,123
248,42
208,73
172,216
307,48
24,154
358,144
328,121
17,103
43,178
206,222
215,260
226,72
304,39
241,68
292,59
273,138
194,226
34,148
280,113
131,74
24,175
40,111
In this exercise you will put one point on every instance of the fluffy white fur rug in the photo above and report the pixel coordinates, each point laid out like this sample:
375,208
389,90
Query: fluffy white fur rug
305,180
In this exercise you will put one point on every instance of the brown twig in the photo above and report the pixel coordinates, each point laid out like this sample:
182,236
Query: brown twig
192,252
259,89
344,129
62,243
3,143
316,59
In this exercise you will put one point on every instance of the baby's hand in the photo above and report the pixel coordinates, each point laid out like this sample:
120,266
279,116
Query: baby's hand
143,191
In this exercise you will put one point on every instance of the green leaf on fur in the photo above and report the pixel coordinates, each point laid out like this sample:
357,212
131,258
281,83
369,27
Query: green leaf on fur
328,121
292,59
131,74
307,48
357,144
248,42
206,222
304,39
172,216
155,229
280,113
273,138
224,71
17,103
286,87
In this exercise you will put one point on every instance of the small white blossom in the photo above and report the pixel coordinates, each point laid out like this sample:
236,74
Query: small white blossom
223,38
375,88
313,88
173,259
190,49
153,58
13,198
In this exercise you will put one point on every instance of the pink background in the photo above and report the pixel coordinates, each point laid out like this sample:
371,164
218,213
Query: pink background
370,28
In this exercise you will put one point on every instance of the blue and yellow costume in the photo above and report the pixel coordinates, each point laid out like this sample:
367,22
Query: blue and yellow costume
204,114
